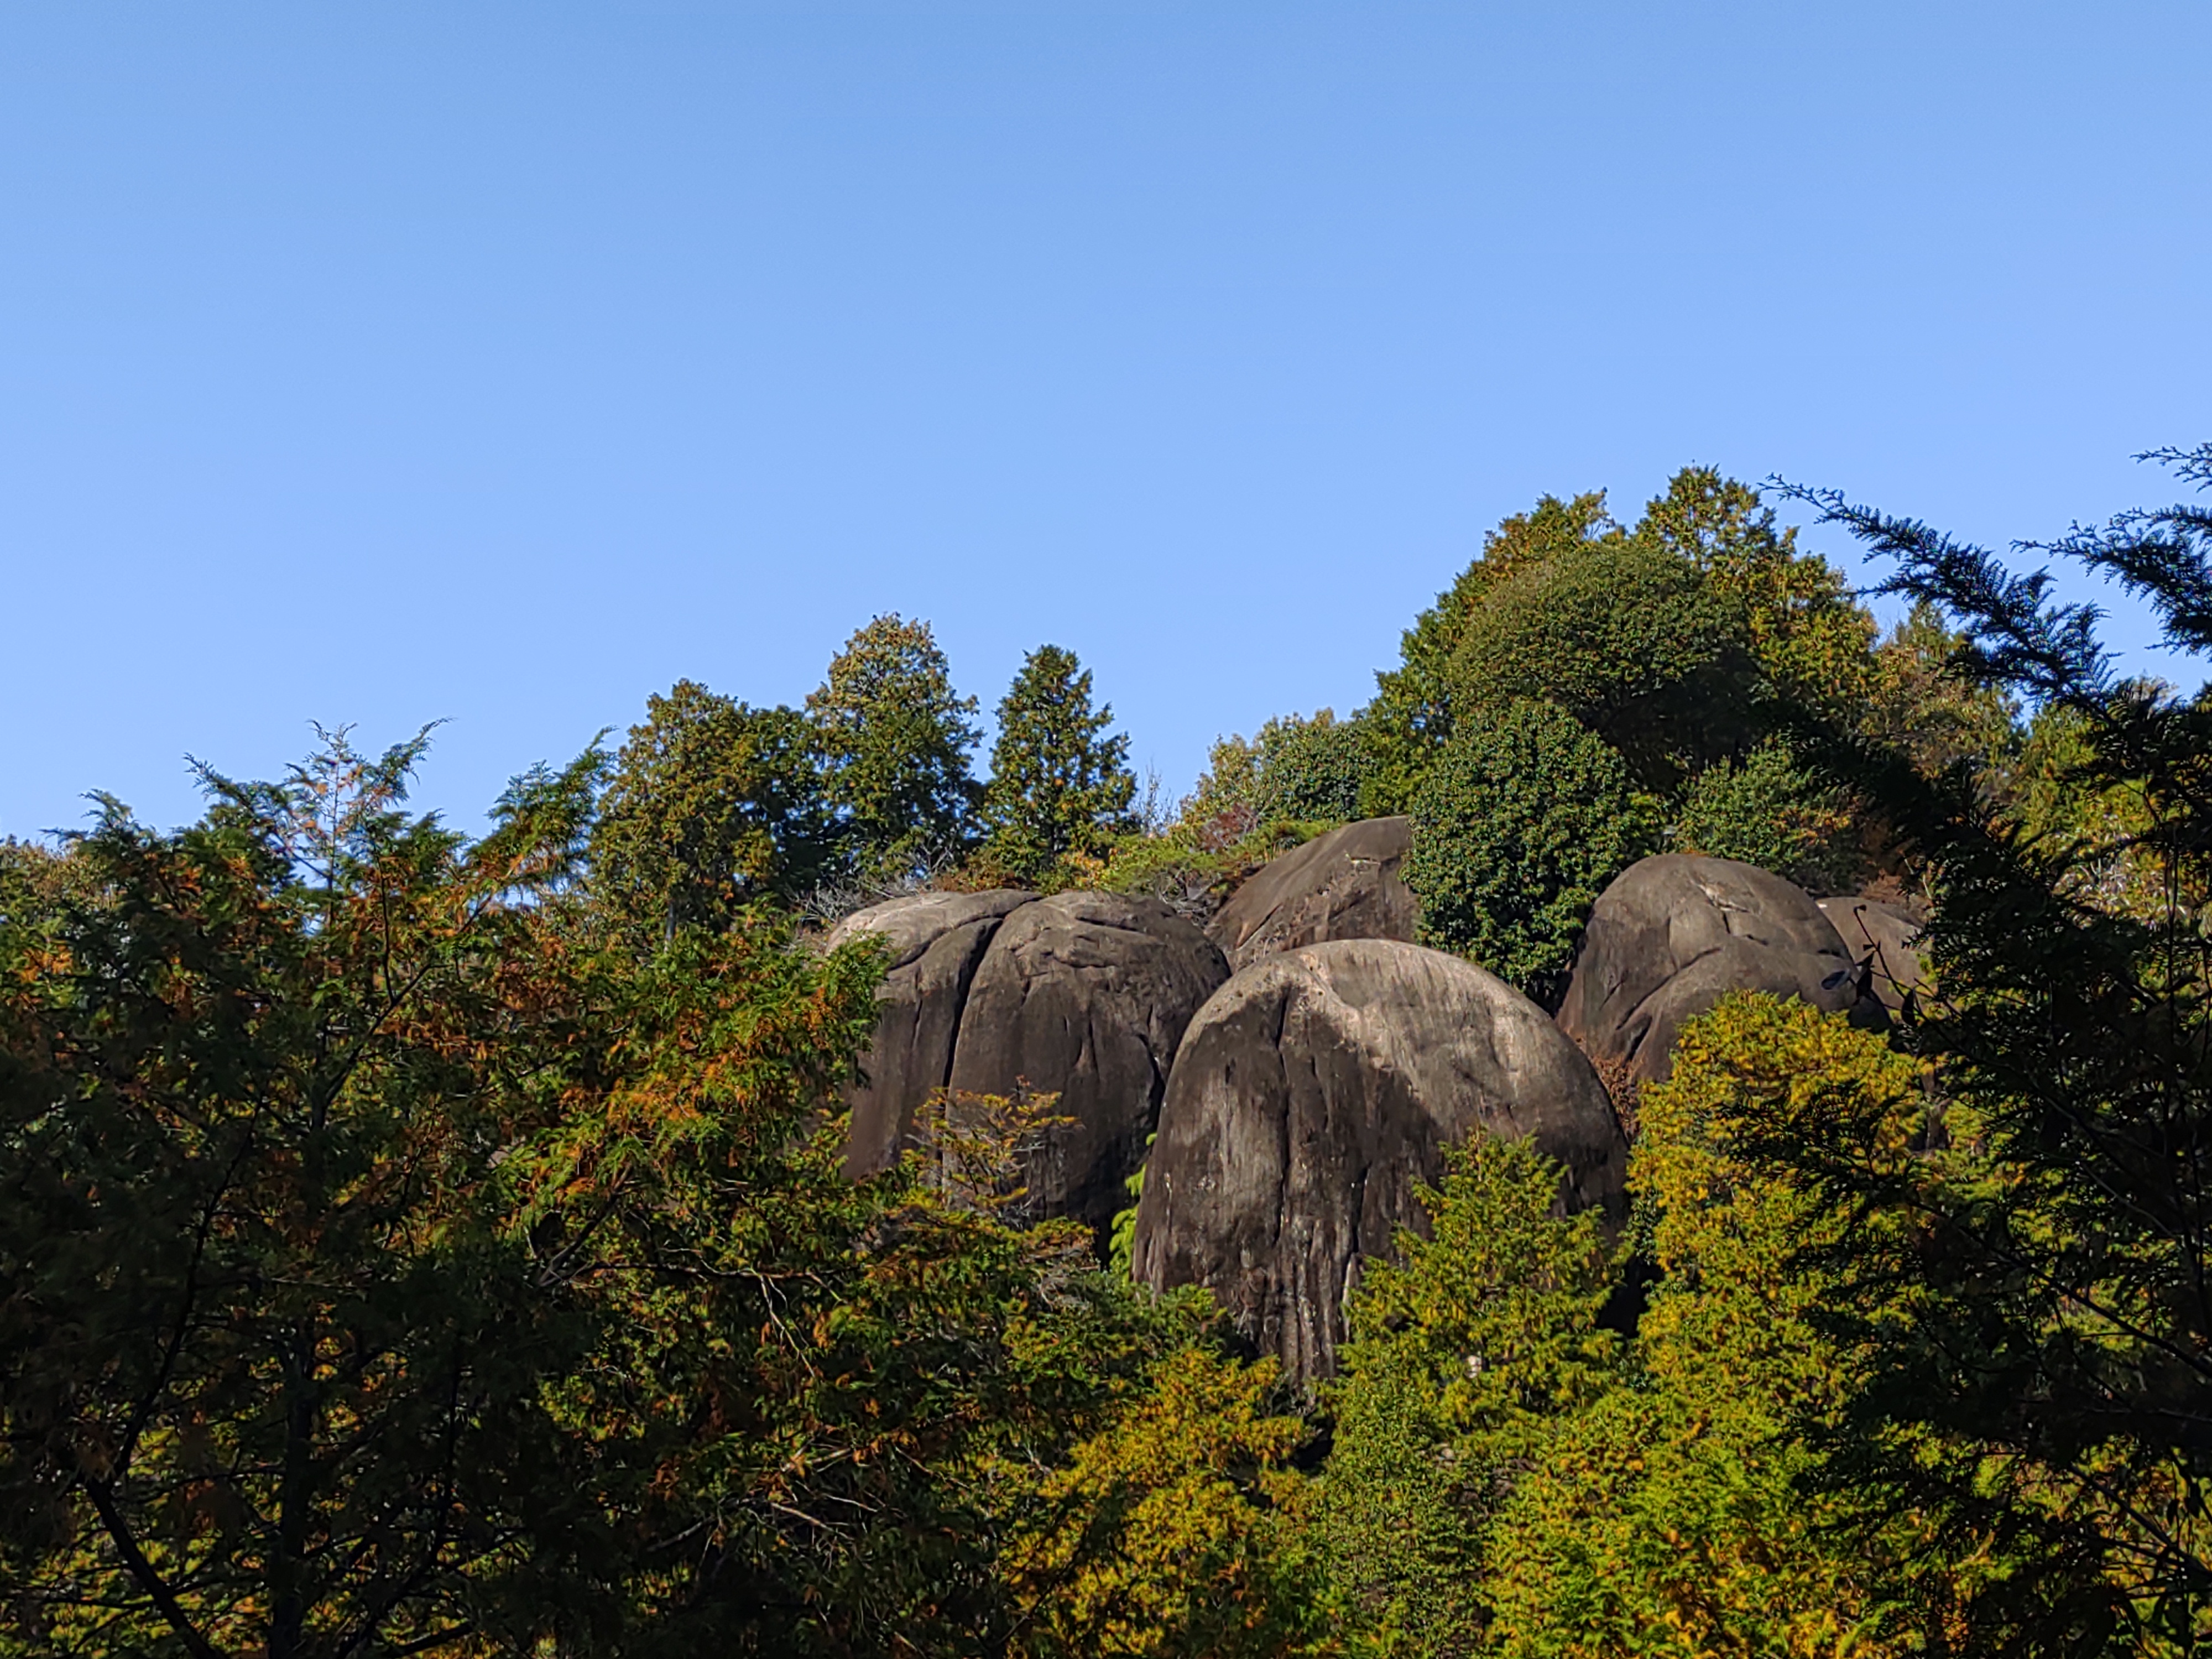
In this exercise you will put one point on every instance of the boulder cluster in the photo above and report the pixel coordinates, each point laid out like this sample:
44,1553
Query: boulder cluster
1288,1077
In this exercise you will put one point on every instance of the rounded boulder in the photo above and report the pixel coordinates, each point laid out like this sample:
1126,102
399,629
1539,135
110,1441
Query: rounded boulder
1674,934
1085,995
933,943
1344,885
1882,940
1313,1094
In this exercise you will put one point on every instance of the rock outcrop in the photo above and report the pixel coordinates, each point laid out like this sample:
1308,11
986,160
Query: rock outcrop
1344,885
1313,1093
933,942
1083,994
1879,937
1086,995
1674,934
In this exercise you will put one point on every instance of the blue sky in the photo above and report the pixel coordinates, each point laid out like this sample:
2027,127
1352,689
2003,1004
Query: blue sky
504,362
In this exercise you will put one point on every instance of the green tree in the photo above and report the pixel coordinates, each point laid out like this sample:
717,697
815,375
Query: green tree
1771,811
1928,702
1680,1510
1813,642
269,1362
712,805
1517,828
1464,1353
1176,1529
1412,716
896,738
1058,783
1313,769
391,1261
2052,1386
1224,803
1630,638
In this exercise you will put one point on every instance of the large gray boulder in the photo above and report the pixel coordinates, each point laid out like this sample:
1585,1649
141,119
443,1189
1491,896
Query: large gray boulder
1085,994
1344,885
933,942
1313,1093
1881,939
1674,934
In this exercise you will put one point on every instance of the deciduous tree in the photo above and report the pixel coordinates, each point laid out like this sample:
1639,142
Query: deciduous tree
711,805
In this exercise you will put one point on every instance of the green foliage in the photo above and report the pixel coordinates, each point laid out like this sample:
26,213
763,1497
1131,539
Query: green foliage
1122,1237
712,805
1927,703
1628,637
1461,1355
1812,639
1679,1512
2102,829
894,739
1058,783
269,1358
2050,1387
1771,812
1312,770
1412,716
395,1261
1517,827
1300,770
1228,792
1194,868
1174,1530
36,881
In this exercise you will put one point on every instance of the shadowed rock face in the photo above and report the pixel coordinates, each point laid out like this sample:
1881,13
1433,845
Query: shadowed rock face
1313,1093
1083,994
1344,885
1674,934
1879,939
1086,995
934,942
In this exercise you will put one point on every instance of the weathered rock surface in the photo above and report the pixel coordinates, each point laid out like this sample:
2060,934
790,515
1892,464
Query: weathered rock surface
934,942
1880,939
1674,934
1344,885
1086,995
1313,1093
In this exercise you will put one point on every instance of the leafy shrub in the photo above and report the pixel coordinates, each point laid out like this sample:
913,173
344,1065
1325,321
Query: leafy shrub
1192,869
1770,811
1517,827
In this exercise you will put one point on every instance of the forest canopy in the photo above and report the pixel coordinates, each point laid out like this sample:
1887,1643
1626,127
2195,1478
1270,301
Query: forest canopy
413,1243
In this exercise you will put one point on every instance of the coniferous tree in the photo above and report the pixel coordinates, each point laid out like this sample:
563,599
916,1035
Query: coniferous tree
2050,1386
894,739
1058,783
388,1266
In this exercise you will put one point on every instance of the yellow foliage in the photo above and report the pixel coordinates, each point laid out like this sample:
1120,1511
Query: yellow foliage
1171,1532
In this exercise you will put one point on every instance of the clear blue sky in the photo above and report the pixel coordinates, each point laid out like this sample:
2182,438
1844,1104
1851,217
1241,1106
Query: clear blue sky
505,363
